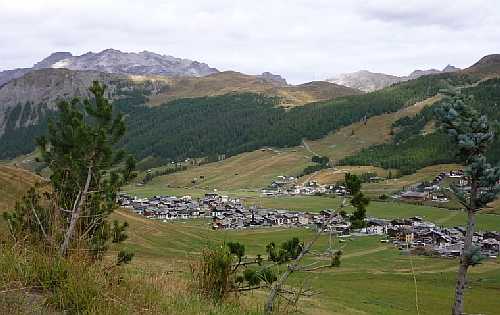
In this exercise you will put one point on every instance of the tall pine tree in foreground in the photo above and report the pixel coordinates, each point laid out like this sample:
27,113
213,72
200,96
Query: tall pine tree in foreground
86,174
359,200
473,135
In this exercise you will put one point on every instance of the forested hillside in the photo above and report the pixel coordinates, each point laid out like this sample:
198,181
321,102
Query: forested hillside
237,122
412,149
16,141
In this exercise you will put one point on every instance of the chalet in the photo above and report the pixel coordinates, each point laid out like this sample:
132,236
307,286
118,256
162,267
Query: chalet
439,198
376,226
490,247
376,179
492,234
339,229
415,196
303,219
450,250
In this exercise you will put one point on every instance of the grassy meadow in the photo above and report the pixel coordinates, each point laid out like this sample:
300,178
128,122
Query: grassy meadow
254,170
374,278
14,182
353,138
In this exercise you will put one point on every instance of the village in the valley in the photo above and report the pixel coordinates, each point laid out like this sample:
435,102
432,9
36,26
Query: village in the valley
415,233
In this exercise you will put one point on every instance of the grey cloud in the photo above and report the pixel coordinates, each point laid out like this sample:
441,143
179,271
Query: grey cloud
454,15
301,39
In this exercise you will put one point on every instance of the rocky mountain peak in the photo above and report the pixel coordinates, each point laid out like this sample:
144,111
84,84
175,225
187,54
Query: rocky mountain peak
273,78
418,73
367,81
51,59
143,63
450,68
364,80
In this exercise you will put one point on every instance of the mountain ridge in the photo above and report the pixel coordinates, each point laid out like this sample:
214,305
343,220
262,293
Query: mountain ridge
118,62
142,63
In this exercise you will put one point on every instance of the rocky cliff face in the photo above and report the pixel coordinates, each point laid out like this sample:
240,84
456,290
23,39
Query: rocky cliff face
273,78
369,81
7,75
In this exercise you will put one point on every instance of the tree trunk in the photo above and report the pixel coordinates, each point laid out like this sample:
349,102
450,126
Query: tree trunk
458,306
75,215
291,268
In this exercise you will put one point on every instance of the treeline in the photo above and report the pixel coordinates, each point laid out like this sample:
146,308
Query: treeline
169,170
411,150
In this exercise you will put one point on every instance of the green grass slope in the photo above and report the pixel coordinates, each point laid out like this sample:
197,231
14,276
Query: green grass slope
14,182
374,278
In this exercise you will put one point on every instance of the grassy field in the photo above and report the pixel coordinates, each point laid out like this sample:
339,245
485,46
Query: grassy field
13,184
254,169
493,207
374,278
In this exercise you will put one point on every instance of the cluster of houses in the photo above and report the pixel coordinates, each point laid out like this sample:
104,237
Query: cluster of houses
432,191
171,207
425,237
226,213
286,186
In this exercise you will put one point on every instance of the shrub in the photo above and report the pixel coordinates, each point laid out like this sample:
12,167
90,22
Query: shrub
74,284
267,275
336,259
383,197
252,277
212,274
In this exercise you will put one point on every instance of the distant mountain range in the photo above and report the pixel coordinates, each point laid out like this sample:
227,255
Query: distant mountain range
367,81
115,61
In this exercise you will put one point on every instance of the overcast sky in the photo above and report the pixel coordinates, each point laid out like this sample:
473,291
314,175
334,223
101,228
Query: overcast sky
302,40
